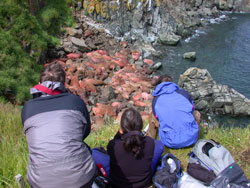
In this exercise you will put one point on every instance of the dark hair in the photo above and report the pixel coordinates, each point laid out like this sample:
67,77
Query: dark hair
162,78
131,125
53,72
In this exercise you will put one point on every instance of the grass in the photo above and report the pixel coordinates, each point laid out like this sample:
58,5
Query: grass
14,154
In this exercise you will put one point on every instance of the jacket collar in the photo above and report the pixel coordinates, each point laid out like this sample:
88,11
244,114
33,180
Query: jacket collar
50,85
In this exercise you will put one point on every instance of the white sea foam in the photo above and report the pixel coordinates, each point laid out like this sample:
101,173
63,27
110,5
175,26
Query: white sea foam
223,16
187,40
200,31
212,21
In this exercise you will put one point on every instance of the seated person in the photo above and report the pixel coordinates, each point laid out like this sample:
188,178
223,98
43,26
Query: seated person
174,115
55,124
132,156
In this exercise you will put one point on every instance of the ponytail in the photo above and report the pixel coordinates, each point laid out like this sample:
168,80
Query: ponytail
134,143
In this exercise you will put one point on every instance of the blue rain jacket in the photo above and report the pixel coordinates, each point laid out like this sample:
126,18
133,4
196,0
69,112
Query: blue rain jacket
174,111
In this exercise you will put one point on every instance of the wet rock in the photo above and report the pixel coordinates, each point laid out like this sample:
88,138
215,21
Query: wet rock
156,66
189,55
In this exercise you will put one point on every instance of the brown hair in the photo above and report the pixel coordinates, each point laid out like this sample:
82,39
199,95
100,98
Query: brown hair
131,125
53,72
162,78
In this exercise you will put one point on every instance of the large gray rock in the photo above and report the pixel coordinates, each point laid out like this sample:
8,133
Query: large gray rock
212,97
169,39
80,44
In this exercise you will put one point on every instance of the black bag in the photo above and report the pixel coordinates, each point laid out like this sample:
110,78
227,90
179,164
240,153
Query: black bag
201,173
167,175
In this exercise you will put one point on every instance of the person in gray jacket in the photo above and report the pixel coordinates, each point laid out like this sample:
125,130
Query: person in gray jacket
55,124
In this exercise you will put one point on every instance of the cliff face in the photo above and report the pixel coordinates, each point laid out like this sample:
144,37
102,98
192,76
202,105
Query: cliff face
155,20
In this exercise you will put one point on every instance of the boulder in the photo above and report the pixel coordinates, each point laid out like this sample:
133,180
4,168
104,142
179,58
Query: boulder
80,44
212,97
169,39
189,55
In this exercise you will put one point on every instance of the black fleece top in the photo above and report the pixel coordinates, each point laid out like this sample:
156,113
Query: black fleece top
125,170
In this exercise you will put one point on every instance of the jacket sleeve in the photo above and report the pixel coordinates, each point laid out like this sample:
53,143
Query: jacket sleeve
88,126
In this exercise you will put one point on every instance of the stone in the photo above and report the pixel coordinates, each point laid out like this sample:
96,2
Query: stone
212,97
136,55
139,63
169,39
156,66
87,33
108,93
189,55
201,105
73,56
228,109
218,102
80,44
74,32
198,3
207,11
149,62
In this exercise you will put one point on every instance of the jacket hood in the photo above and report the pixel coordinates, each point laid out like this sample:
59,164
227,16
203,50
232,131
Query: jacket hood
49,84
165,88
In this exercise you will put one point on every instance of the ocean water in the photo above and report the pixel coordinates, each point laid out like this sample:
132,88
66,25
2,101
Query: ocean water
222,47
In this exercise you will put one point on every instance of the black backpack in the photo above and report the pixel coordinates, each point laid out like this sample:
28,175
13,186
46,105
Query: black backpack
167,175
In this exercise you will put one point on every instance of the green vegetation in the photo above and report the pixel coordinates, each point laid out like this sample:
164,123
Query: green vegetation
24,39
14,154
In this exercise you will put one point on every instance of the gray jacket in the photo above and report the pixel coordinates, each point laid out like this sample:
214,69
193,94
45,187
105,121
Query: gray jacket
55,127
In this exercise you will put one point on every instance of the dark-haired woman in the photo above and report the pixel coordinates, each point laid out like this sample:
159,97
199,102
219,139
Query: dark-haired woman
133,157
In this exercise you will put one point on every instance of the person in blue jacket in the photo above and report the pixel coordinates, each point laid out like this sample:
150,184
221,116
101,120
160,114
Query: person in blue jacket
173,114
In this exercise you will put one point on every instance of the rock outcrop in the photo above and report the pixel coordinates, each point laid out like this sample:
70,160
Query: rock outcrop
153,20
212,97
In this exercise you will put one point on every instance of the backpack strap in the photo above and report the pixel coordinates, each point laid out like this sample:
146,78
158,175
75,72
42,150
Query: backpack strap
153,105
47,90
